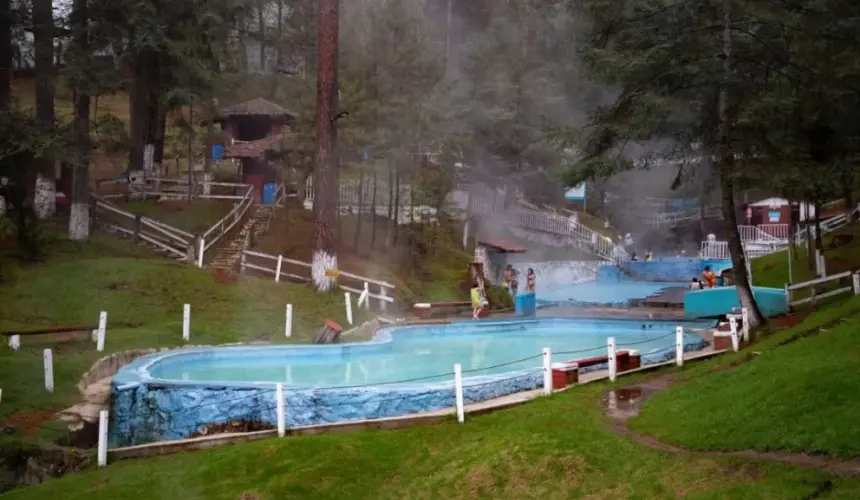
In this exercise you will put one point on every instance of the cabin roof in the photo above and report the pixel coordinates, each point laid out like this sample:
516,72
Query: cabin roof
257,107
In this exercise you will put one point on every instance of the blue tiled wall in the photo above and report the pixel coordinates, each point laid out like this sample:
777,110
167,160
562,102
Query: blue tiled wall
717,301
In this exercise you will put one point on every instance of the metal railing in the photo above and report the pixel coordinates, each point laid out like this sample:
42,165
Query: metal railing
764,233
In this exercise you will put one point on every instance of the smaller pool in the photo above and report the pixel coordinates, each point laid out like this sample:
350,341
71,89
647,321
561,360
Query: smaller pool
597,293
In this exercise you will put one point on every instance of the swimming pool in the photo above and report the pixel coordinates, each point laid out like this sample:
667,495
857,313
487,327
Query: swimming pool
600,293
405,369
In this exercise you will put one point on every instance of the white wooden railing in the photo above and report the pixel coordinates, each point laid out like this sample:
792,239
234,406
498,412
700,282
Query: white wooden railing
764,234
173,240
223,226
280,267
814,296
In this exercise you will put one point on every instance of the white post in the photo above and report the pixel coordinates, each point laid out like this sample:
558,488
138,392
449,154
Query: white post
612,363
103,438
787,296
466,233
382,303
200,249
679,346
100,336
790,278
547,371
746,324
458,392
278,268
186,322
282,416
822,265
288,327
15,342
733,323
1,395
49,370
856,282
366,296
348,302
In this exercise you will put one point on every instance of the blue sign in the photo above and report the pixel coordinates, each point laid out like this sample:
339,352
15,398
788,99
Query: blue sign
576,193
217,152
269,191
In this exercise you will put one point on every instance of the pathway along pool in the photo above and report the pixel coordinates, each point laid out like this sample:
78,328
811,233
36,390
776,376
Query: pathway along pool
404,370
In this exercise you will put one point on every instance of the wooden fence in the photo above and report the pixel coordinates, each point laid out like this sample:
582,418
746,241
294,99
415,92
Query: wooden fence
838,280
214,234
172,240
280,267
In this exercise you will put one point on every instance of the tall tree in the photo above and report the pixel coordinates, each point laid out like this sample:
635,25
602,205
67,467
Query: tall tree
43,35
5,53
326,165
79,217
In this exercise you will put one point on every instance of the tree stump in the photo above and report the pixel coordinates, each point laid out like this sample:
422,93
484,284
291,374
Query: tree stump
328,333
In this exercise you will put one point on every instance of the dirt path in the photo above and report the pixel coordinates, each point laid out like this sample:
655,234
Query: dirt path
624,403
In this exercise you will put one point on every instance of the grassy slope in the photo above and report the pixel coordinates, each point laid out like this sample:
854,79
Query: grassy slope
797,397
195,218
143,297
553,448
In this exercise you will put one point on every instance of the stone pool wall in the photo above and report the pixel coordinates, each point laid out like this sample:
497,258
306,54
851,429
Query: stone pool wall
151,411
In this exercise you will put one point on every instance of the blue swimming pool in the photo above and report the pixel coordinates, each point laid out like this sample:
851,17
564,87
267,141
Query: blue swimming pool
405,369
603,293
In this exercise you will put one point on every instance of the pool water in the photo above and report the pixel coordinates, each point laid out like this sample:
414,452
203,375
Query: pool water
422,352
597,293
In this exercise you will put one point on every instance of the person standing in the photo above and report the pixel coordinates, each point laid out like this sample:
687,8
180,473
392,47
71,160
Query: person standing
530,280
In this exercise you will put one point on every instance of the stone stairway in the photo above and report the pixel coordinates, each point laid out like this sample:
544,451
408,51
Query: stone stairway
227,259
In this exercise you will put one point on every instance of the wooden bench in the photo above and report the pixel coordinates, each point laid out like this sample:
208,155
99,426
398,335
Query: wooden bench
425,309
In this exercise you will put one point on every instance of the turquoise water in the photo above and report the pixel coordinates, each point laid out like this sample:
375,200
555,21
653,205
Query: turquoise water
421,352
597,293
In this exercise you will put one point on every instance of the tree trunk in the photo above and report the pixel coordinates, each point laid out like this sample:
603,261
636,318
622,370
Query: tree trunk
279,50
848,193
79,215
373,213
44,203
818,243
5,53
145,109
360,206
739,268
810,254
262,34
190,152
396,208
390,222
325,169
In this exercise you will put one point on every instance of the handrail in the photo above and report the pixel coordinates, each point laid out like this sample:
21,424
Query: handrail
817,281
250,253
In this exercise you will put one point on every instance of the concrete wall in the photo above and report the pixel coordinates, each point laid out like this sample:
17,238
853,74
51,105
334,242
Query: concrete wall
718,301
554,274
673,269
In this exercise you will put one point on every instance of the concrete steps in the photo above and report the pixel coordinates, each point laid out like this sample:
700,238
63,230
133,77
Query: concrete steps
227,259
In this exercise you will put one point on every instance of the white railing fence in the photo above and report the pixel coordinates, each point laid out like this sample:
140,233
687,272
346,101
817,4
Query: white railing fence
280,267
175,241
223,226
852,286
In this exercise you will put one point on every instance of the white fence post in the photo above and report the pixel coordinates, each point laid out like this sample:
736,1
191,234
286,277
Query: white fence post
282,415
383,294
347,298
278,268
103,438
856,282
612,363
733,324
49,370
288,327
100,335
787,296
15,342
679,346
186,322
547,371
746,324
200,249
1,395
458,392
366,296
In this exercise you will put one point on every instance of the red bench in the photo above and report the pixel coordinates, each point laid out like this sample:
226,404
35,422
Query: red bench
425,309
624,361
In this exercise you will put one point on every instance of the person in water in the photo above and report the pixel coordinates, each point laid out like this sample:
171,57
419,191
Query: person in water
709,279
649,256
530,280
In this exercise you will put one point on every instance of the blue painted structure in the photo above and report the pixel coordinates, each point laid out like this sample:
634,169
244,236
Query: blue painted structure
269,191
718,301
525,304
217,152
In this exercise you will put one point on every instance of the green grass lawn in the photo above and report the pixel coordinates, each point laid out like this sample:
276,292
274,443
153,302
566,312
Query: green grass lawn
196,217
144,298
796,397
553,448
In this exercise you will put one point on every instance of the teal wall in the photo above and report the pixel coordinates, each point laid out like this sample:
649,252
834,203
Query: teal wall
718,301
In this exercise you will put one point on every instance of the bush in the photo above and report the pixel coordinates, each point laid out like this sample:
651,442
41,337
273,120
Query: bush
499,298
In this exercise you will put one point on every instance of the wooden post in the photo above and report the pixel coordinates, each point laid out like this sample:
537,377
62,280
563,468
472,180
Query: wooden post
48,358
458,392
100,336
103,438
679,346
288,328
281,410
137,227
547,371
611,359
186,322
